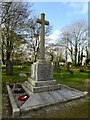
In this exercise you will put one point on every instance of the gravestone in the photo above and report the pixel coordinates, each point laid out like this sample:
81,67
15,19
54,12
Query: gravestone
41,72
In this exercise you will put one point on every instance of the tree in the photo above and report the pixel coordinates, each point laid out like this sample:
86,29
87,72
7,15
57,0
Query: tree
80,36
74,39
54,54
14,21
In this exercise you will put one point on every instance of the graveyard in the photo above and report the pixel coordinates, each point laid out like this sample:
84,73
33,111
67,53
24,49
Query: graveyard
75,81
42,79
41,90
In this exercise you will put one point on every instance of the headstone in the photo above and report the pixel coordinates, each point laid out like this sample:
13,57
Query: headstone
68,65
22,75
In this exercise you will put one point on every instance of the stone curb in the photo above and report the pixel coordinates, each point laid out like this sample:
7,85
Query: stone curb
18,111
15,109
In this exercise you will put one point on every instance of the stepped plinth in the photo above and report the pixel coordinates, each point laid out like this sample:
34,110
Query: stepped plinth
41,79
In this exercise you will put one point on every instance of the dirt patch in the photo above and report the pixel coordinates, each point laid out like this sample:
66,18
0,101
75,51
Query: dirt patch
6,107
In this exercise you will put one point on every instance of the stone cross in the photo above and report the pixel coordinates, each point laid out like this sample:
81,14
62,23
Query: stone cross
43,22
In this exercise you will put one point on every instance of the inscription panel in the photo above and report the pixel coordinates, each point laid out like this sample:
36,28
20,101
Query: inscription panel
44,72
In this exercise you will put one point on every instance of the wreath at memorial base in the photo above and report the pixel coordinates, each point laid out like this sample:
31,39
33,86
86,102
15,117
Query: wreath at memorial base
23,97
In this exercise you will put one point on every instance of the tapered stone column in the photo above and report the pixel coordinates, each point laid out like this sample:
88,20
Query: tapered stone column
42,36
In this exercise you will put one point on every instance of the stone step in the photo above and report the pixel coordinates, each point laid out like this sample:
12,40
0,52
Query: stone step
27,90
42,88
29,86
41,83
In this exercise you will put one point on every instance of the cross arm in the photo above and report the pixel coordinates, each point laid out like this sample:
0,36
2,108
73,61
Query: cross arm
40,21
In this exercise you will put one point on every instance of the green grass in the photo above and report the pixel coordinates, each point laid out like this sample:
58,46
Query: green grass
15,78
77,80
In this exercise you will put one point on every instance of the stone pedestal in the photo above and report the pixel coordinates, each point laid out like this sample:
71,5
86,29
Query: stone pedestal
41,71
41,78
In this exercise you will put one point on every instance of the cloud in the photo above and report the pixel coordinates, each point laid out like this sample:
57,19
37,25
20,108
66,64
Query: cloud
78,8
85,8
54,36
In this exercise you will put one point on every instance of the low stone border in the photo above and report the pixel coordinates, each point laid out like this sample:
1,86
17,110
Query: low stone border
15,109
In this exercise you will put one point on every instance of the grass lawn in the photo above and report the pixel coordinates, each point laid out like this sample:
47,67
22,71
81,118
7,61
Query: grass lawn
15,78
76,80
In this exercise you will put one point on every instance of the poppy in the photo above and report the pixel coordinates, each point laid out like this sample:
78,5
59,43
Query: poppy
23,98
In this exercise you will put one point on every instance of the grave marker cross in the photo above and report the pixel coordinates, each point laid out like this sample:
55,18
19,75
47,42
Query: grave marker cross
43,22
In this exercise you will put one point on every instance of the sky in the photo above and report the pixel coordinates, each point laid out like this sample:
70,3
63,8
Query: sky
61,14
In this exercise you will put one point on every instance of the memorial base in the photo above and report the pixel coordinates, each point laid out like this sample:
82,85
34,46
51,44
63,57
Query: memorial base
41,78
